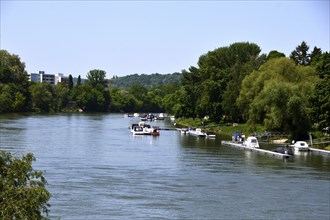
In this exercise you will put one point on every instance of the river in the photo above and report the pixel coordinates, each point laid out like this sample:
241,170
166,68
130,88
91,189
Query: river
96,169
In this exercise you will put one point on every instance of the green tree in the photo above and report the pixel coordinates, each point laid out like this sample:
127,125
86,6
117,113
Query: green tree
276,95
23,194
315,55
274,54
207,86
79,81
70,83
61,96
6,98
42,97
300,55
14,83
97,77
93,99
123,101
319,100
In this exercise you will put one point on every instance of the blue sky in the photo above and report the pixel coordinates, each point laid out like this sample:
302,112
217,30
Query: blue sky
128,37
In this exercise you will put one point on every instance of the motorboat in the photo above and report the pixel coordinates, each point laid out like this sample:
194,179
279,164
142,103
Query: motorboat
132,127
160,116
298,147
184,130
154,131
137,130
210,134
146,129
197,132
251,142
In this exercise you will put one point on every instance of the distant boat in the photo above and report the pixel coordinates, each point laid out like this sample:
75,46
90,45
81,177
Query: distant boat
144,129
298,147
184,130
160,116
210,134
197,132
137,130
251,142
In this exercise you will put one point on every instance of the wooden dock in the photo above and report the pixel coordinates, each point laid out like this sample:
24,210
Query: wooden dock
256,150
319,151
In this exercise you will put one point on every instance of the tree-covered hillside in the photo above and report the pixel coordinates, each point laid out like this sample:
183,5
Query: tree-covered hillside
148,81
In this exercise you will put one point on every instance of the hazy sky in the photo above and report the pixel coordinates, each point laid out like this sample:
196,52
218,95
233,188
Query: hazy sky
128,37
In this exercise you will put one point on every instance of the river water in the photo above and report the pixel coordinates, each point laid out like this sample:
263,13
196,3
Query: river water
96,169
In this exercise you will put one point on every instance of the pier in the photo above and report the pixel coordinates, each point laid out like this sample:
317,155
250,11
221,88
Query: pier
256,150
319,151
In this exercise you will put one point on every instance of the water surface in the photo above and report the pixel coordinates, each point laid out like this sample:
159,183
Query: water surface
97,170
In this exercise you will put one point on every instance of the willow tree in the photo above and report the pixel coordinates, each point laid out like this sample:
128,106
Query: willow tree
276,95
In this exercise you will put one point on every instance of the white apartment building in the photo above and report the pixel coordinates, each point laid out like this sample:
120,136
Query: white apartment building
41,76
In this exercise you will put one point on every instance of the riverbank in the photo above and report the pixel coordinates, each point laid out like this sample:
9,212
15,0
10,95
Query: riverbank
229,129
224,129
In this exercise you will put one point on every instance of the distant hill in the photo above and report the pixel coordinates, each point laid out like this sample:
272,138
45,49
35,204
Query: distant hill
148,81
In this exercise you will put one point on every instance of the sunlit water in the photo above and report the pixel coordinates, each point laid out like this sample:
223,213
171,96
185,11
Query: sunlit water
96,169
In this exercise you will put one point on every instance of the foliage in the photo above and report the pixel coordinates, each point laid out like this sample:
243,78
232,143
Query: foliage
22,189
149,81
274,54
42,97
276,96
123,101
93,99
97,78
14,83
319,99
212,88
301,55
70,83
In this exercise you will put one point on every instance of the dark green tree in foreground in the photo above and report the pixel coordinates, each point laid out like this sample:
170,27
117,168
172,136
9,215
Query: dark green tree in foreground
22,189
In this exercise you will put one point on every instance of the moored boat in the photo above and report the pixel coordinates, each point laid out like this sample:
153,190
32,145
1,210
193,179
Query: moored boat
137,130
210,134
160,116
197,132
251,142
299,147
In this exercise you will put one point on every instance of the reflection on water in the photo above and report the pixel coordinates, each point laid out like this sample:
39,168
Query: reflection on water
97,170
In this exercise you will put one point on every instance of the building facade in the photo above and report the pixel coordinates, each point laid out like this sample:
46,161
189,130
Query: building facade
52,79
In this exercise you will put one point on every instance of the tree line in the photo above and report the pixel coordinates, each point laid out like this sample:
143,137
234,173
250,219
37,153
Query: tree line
148,81
235,83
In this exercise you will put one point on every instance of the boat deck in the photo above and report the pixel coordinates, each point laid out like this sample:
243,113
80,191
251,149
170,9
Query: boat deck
256,150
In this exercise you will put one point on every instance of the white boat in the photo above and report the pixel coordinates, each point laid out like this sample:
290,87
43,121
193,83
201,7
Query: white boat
197,132
132,127
299,146
137,130
136,115
160,116
210,134
151,131
251,142
184,130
